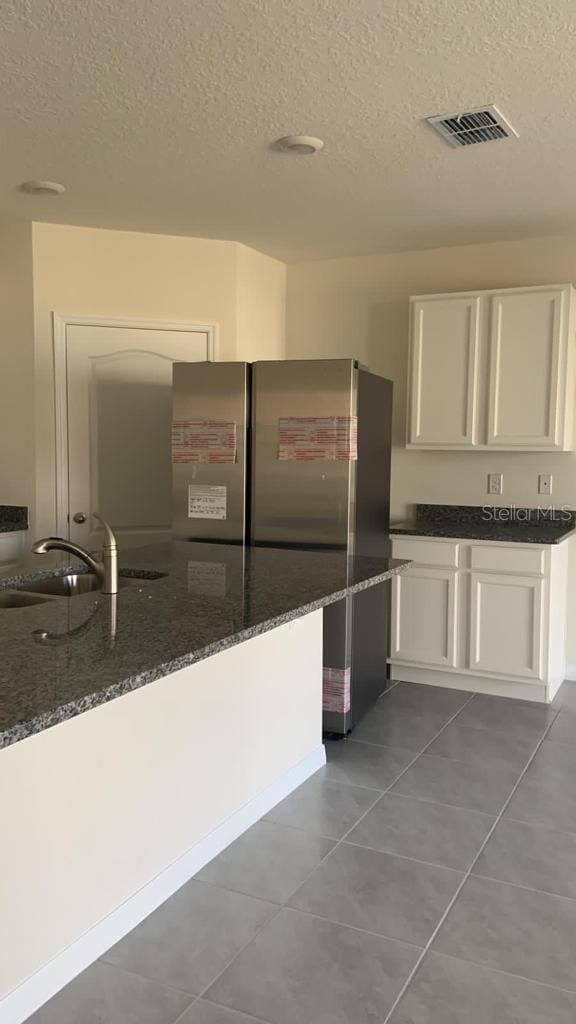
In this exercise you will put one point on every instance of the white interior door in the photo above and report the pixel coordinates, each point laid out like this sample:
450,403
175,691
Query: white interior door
118,424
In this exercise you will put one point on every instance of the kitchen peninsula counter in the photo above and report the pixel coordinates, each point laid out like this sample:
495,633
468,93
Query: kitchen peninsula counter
67,655
143,733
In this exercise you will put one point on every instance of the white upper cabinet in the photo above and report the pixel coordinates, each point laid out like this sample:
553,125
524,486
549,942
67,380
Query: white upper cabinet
493,370
444,356
528,339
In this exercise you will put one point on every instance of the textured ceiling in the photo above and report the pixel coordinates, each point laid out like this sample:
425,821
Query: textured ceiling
158,116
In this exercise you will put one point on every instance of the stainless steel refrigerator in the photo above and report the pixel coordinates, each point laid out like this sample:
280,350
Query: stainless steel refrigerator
295,453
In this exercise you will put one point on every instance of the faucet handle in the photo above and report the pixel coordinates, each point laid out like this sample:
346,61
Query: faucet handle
110,542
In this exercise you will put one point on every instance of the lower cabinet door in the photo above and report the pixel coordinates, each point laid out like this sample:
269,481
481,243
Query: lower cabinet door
506,625
424,617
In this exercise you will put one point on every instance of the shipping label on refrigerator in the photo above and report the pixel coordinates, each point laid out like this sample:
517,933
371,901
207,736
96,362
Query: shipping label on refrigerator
336,690
205,441
206,502
318,438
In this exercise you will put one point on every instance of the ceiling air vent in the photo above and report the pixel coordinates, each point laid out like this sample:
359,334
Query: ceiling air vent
484,124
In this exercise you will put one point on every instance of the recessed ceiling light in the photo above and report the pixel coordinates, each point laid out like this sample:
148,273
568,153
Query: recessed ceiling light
42,188
302,145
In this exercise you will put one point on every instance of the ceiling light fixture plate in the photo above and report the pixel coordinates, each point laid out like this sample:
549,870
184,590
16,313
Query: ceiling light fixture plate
301,145
37,187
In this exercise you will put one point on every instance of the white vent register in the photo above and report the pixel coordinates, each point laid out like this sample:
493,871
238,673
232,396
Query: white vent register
483,124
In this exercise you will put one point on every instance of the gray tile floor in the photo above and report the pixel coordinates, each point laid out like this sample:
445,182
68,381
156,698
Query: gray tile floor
427,875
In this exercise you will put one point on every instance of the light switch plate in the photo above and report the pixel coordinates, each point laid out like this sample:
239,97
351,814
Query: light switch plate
545,483
495,483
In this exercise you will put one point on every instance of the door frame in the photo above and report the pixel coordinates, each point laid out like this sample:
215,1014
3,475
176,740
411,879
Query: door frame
60,323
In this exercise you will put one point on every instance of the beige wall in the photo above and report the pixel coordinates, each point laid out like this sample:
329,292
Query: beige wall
125,274
16,366
261,322
359,307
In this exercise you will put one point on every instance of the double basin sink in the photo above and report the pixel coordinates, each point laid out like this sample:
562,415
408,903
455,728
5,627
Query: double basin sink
35,592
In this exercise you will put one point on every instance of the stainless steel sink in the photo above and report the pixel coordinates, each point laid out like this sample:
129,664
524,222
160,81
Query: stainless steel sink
11,599
80,583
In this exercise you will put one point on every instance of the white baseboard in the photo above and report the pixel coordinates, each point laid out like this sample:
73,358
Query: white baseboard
16,1007
536,691
571,673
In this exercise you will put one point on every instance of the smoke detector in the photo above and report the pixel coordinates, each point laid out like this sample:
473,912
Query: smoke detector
42,188
483,124
302,145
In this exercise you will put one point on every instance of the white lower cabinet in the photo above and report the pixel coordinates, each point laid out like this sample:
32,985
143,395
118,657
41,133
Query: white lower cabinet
424,616
489,616
506,625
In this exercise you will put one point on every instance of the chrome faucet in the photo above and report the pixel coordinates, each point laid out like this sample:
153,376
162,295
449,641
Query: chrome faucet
106,570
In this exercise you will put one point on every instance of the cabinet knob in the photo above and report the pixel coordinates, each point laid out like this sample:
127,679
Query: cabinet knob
80,517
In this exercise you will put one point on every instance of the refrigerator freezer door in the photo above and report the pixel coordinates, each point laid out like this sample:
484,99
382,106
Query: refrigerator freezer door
210,406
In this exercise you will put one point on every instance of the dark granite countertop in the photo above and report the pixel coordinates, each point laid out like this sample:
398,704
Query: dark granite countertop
508,524
13,517
61,658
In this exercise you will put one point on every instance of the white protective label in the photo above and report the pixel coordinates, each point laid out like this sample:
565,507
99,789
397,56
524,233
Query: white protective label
336,690
208,441
206,502
318,438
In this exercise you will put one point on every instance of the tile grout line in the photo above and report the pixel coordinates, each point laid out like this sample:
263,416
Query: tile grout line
278,906
468,874
353,928
168,986
269,920
248,1016
378,795
506,974
473,728
536,823
400,856
283,906
439,757
343,840
404,856
381,793
231,1009
525,888
187,1010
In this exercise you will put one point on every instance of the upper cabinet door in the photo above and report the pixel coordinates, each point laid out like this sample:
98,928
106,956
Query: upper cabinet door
528,344
444,372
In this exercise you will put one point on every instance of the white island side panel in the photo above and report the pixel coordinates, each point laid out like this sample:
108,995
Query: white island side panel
108,813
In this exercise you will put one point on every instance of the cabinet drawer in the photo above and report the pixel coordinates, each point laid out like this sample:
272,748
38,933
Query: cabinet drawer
425,551
508,558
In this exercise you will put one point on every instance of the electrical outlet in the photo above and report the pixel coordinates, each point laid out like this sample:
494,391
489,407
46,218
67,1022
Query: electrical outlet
545,483
495,483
